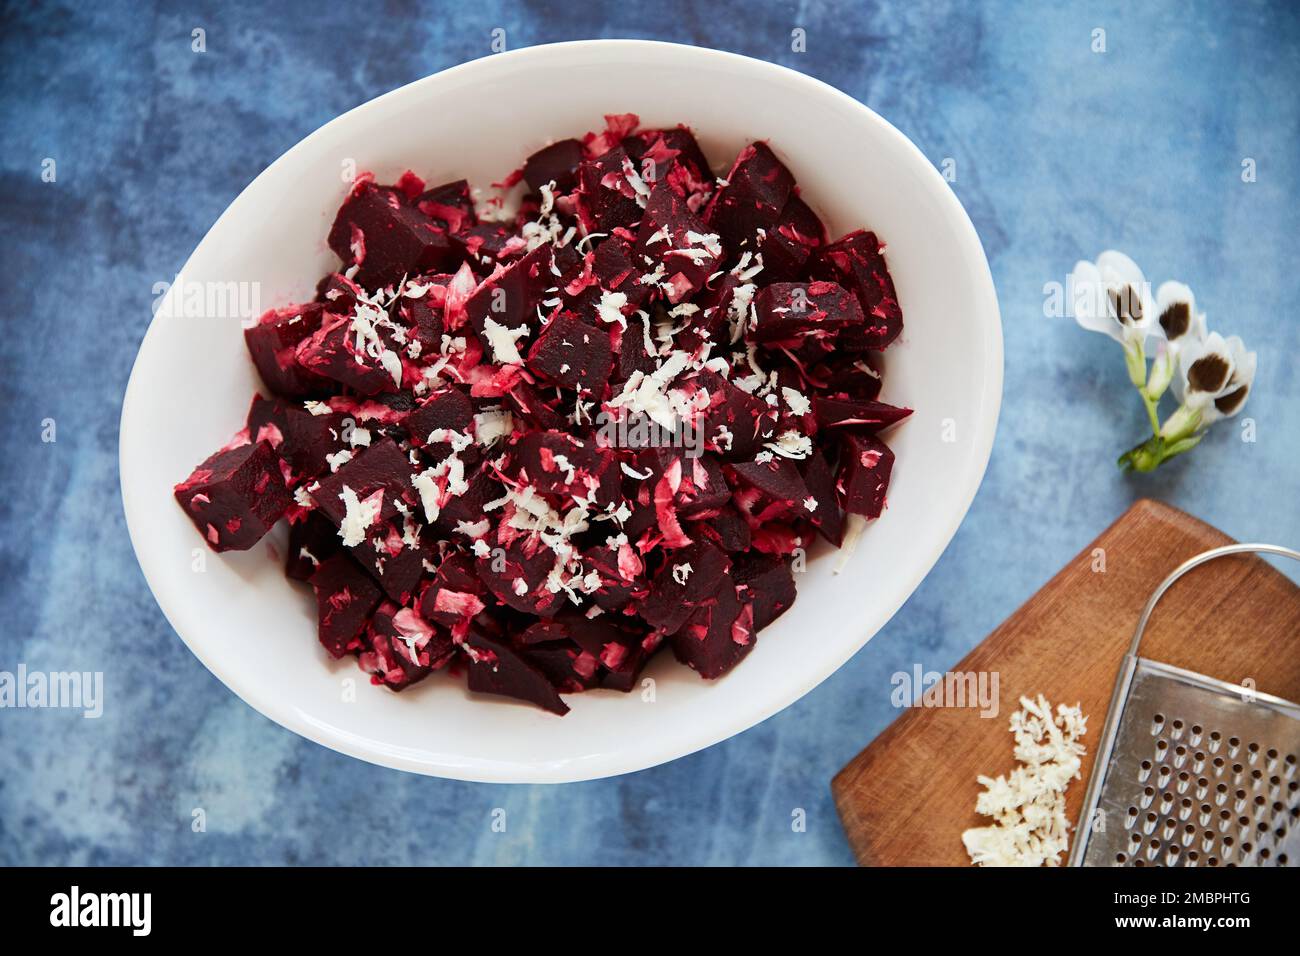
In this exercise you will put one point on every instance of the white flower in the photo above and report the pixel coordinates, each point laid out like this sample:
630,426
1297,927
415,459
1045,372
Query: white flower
1204,370
1177,321
1233,397
1112,296
1177,324
1214,380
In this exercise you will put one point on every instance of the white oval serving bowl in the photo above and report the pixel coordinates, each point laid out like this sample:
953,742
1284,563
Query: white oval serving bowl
192,382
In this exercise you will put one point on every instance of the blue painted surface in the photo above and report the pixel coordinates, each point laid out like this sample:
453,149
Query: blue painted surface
1059,151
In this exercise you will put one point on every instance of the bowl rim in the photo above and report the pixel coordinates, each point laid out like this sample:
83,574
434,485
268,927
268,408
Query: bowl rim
649,753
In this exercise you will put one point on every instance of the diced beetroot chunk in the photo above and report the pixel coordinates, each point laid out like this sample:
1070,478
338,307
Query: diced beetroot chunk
718,635
312,540
568,668
447,410
509,299
377,229
572,353
380,468
766,581
301,438
606,196
678,242
864,476
345,598
779,479
272,343
756,192
449,206
825,512
848,413
676,591
401,648
495,668
788,310
331,352
788,245
857,261
235,496
558,162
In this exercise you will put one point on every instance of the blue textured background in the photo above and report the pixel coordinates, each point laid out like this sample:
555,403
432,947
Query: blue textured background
1060,152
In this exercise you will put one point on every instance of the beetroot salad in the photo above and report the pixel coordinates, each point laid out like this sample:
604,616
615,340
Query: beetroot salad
539,448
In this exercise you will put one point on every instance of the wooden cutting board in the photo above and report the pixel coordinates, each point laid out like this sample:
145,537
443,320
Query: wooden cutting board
906,799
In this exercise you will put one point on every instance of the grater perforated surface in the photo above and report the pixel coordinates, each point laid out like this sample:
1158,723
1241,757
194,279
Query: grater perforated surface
1202,773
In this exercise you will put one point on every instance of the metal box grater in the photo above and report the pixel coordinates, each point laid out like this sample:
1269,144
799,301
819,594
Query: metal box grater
1191,770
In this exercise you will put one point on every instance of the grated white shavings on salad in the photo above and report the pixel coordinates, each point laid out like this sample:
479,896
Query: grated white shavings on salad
1028,806
504,341
358,516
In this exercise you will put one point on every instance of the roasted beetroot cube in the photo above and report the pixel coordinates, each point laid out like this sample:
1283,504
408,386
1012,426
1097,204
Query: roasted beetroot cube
615,271
345,598
338,294
608,196
573,354
601,644
488,243
689,577
508,301
449,206
676,245
378,230
710,324
787,311
312,540
718,635
737,424
376,476
395,554
822,503
235,496
727,528
567,667
623,676
300,437
272,343
864,474
619,653
787,246
849,413
468,506
766,581
495,668
402,648
556,163
530,405
517,575
423,318
558,464
448,410
666,147
778,479
757,189
621,572
455,596
857,262
696,482
331,351
632,353
856,378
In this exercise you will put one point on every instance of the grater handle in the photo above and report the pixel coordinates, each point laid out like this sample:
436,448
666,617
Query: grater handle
1196,561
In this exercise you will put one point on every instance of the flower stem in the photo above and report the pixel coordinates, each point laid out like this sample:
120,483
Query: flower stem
1152,416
